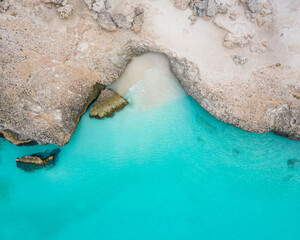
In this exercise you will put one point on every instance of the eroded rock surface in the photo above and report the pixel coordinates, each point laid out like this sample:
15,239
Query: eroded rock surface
52,68
107,104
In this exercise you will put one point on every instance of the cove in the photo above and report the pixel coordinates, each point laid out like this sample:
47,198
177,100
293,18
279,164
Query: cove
162,168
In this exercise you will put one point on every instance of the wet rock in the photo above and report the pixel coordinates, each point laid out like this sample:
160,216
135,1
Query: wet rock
106,22
182,4
4,5
38,160
121,21
14,137
65,11
107,104
239,59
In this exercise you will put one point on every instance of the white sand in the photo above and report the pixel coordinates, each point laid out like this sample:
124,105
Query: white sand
148,82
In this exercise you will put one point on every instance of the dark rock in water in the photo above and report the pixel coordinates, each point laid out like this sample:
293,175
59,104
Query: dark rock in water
38,160
292,163
107,104
287,178
235,151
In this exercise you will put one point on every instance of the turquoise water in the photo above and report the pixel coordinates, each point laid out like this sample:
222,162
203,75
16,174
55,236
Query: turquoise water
163,168
173,172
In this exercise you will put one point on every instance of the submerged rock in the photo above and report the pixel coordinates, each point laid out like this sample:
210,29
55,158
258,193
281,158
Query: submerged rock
38,160
292,163
107,104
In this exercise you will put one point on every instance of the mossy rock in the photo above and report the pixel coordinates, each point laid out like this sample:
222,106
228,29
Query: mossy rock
107,104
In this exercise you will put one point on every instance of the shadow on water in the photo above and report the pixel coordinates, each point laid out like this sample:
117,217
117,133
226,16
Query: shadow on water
235,152
205,124
4,190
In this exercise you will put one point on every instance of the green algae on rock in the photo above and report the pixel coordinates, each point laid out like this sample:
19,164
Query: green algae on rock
107,104
38,160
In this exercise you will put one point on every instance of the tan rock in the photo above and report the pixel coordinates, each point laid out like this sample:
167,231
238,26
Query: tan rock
107,104
182,4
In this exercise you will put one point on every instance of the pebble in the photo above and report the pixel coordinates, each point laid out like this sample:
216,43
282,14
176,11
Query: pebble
265,44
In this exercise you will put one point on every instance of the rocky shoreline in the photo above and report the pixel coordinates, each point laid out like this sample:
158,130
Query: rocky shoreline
52,68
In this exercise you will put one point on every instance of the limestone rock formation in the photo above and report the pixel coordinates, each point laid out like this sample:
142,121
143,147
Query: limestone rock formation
14,137
107,104
38,160
51,68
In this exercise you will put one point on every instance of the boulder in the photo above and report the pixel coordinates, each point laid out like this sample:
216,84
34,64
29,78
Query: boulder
38,160
107,104
182,4
121,21
106,22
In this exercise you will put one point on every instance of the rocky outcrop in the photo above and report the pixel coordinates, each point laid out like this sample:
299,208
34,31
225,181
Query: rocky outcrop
38,160
14,137
107,104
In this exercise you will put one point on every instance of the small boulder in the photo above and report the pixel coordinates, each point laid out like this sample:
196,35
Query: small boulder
4,5
182,4
291,163
38,160
107,104
65,11
239,59
121,21
106,22
253,5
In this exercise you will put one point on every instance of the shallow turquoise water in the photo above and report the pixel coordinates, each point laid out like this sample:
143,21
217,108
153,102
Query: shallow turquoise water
172,172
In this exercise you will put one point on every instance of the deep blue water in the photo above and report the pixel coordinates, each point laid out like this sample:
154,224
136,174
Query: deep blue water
171,172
